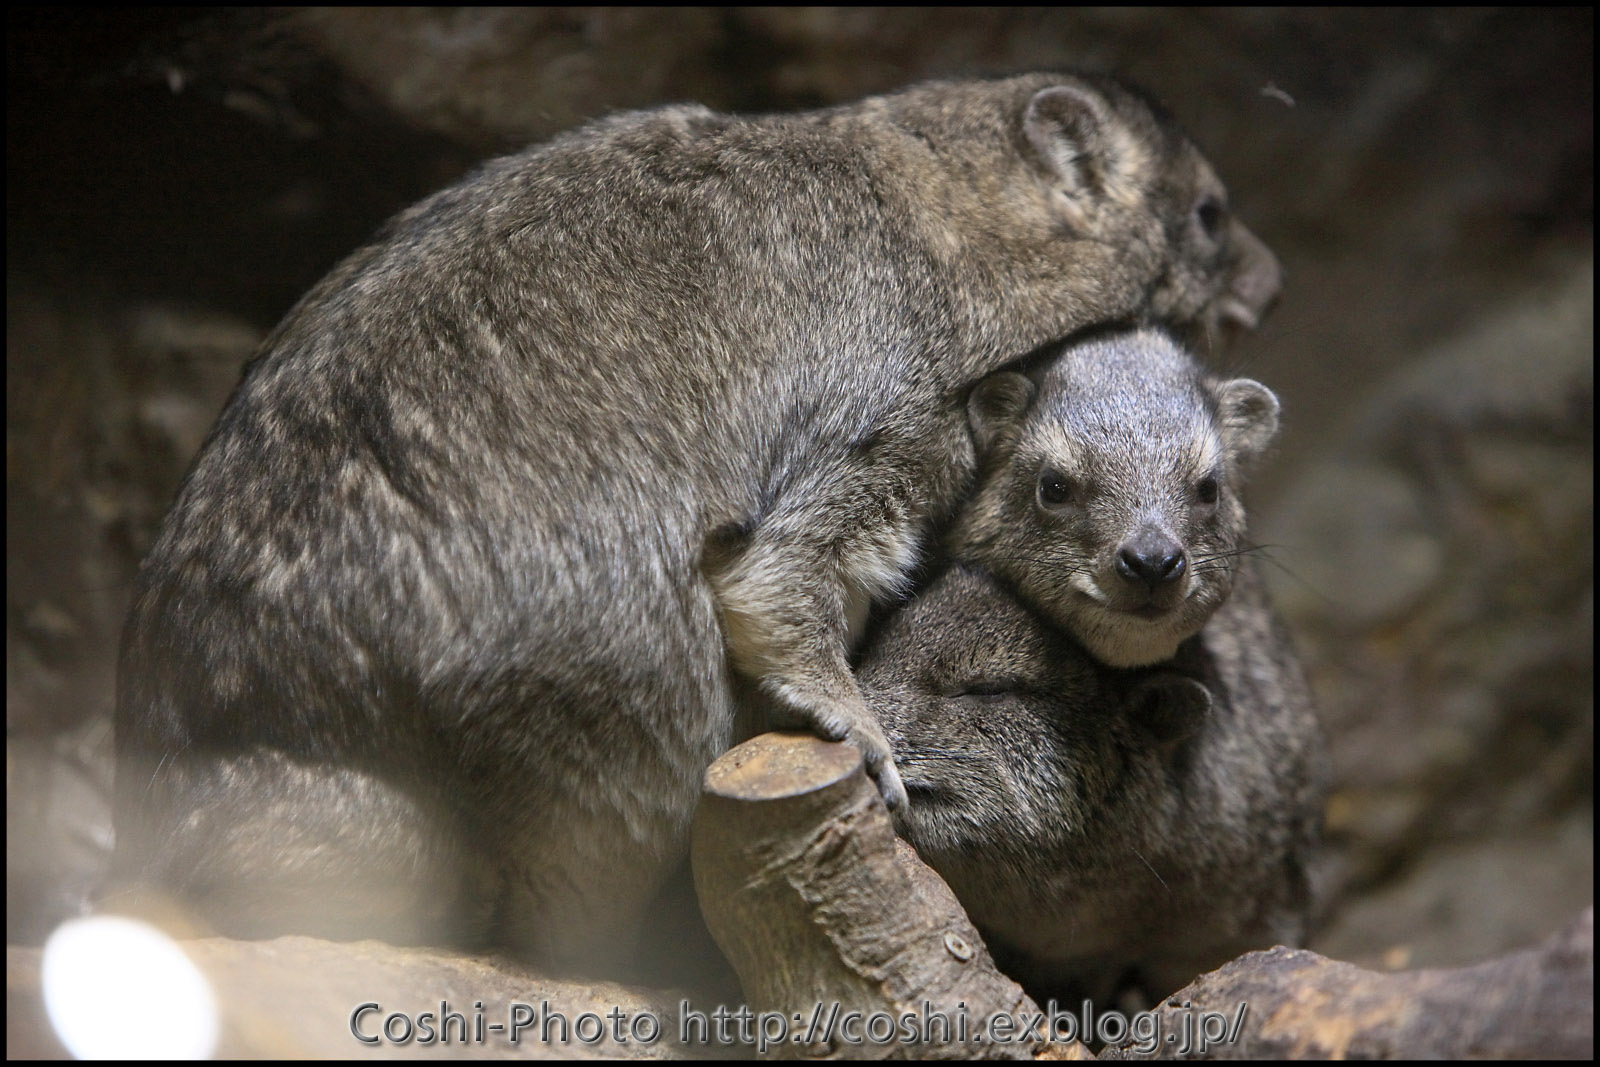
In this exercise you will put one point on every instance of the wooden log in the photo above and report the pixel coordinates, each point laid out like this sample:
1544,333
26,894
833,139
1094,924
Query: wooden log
1533,1004
837,931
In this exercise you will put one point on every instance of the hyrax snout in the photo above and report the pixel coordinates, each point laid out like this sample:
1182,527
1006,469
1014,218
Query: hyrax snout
1110,490
1150,561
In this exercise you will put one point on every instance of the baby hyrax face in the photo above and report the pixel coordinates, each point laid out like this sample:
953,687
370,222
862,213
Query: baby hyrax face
1109,495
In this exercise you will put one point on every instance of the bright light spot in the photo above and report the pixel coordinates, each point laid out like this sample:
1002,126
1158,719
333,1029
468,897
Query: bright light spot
117,988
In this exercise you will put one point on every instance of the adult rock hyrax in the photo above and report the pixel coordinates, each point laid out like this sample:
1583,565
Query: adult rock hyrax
1110,493
454,607
1103,826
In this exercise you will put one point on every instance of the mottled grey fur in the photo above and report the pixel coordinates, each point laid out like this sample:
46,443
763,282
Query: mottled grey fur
1125,451
1103,826
453,609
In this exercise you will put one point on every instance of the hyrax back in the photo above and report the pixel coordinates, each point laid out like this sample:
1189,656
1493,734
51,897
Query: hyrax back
443,626
1110,490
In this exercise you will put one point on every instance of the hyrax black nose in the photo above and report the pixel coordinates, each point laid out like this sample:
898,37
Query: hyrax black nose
1150,558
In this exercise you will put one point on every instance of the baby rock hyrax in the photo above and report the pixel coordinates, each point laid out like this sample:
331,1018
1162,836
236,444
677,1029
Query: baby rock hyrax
1107,827
458,600
1110,499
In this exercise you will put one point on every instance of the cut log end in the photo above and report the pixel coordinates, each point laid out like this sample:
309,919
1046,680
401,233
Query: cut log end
776,766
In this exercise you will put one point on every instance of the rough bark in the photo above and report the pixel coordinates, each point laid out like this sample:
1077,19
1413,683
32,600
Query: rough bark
1534,1004
827,916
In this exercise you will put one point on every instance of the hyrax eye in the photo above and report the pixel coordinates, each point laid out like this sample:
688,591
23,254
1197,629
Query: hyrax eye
1056,489
1206,490
1211,214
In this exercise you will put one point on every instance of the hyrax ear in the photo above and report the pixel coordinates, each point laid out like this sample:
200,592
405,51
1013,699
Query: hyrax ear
1069,131
1083,148
1249,414
1169,705
996,405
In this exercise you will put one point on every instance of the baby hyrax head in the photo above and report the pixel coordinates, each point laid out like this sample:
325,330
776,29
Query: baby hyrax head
1109,493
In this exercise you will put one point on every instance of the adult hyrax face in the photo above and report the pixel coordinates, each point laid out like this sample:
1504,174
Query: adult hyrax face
1094,194
1226,278
1214,273
1110,498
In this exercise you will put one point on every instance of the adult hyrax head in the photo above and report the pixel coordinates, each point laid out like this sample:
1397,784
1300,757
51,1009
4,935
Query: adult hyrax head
1110,490
1086,185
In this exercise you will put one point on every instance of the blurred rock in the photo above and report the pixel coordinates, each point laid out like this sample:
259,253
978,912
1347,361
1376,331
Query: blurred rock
105,411
1468,901
1439,565
1387,555
519,74
58,826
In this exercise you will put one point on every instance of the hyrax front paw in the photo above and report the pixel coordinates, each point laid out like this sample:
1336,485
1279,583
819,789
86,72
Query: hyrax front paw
833,722
880,764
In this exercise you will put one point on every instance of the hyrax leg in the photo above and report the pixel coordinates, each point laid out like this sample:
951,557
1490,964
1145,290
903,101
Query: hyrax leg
576,903
263,843
794,595
584,755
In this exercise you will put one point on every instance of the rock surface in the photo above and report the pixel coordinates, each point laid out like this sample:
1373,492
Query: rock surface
1439,568
296,997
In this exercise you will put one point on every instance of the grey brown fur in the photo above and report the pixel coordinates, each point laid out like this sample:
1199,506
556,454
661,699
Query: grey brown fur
1104,826
447,618
1110,500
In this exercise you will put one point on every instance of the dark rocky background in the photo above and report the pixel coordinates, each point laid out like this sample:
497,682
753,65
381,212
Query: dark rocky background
175,179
